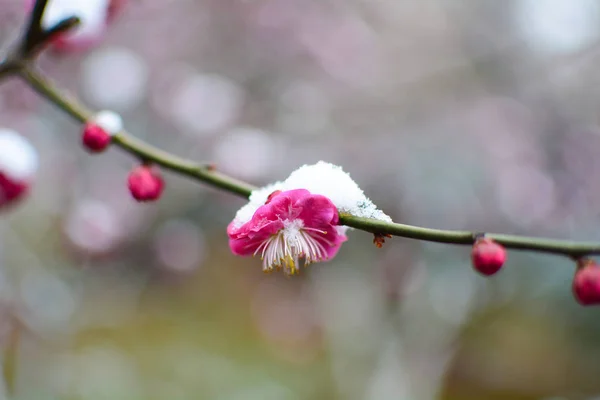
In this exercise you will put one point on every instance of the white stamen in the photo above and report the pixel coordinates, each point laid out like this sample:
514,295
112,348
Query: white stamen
294,241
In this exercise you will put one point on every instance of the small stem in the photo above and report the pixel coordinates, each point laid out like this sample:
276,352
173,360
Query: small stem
8,68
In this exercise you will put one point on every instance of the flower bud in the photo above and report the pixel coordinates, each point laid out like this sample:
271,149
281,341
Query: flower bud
145,183
586,283
94,138
488,256
97,133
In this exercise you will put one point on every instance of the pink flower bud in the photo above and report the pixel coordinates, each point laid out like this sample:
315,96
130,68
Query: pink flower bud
145,183
97,133
586,283
18,165
94,138
488,256
10,190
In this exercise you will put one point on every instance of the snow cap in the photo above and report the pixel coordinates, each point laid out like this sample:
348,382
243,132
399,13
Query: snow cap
321,178
18,158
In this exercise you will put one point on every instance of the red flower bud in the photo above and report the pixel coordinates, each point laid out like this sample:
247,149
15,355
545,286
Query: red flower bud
586,283
95,139
145,183
488,256
11,191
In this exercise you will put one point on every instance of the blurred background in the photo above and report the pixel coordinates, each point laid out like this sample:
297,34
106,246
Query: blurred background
458,114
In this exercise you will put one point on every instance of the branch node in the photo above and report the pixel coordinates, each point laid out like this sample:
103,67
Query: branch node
379,239
478,235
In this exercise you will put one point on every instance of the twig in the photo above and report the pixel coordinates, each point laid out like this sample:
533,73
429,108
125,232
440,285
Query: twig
36,36
34,26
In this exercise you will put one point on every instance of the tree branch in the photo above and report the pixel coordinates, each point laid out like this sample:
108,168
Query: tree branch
36,37
34,31
207,175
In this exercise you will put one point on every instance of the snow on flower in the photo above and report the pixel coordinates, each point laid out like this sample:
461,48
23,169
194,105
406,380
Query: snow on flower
18,165
291,225
281,235
321,178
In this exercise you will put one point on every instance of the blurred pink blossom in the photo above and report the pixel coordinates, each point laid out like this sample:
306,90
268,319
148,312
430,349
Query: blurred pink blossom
18,165
94,16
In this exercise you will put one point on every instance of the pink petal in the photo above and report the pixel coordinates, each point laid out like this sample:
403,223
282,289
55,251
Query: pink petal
66,43
284,206
318,211
338,239
244,240
266,221
318,214
331,240
11,191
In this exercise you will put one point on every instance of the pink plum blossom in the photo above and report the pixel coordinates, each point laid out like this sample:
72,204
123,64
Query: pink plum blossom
291,225
10,190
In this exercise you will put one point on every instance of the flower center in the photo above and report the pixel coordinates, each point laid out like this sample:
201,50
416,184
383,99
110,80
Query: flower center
286,247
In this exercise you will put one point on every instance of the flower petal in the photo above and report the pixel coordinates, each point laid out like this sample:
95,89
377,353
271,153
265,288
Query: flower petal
244,240
318,211
306,222
285,206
